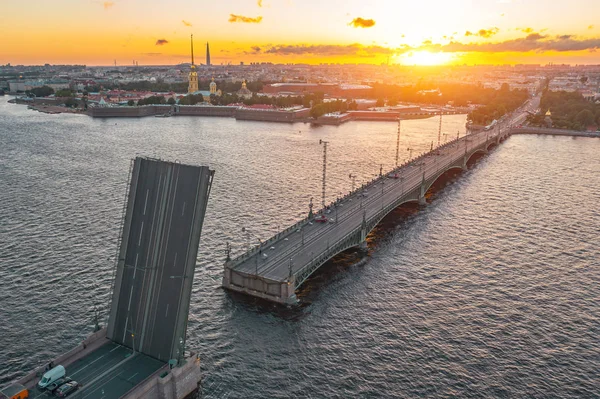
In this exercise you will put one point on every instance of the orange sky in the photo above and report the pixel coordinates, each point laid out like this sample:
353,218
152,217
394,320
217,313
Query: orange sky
96,32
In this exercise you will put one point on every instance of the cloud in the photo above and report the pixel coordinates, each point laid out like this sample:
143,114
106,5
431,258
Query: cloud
535,42
259,2
152,54
241,18
362,23
590,27
532,42
328,49
483,32
526,30
161,42
186,23
108,4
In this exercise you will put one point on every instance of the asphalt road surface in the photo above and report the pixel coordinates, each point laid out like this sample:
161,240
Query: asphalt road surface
274,260
160,257
108,372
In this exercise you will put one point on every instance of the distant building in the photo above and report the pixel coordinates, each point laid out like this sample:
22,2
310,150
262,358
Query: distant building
212,86
330,89
244,91
207,55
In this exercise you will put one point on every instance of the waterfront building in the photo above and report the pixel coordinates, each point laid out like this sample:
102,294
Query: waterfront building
244,92
193,76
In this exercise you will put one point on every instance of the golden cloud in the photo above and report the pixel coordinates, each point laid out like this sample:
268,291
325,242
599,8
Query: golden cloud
108,4
526,30
161,42
483,32
240,18
362,23
186,23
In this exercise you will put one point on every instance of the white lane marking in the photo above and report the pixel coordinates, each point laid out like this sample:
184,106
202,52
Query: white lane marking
146,201
107,382
135,266
115,348
167,311
83,368
141,231
132,376
183,209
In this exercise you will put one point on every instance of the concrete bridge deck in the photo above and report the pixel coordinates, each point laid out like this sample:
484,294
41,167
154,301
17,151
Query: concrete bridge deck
281,264
275,269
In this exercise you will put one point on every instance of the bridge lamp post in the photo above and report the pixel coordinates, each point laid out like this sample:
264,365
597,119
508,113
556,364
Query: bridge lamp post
245,230
324,168
382,185
410,151
353,180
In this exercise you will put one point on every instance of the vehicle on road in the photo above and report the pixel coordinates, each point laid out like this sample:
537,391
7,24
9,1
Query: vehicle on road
394,176
14,391
66,389
54,385
321,219
50,376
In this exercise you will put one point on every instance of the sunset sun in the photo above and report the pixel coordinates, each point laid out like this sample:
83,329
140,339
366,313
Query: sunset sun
426,58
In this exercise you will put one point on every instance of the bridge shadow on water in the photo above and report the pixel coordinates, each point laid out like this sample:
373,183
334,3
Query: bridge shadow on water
353,259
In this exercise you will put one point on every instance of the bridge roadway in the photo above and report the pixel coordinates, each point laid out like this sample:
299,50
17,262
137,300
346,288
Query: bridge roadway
276,268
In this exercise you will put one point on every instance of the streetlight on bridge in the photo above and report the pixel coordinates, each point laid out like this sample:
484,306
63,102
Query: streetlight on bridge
324,168
353,179
248,232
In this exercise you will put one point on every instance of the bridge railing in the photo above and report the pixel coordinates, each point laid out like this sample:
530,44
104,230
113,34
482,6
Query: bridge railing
303,273
300,224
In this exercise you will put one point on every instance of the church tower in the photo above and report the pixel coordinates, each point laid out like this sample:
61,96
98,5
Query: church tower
213,86
193,76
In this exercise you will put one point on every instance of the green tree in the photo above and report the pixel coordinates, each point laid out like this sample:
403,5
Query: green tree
131,103
70,102
585,118
317,111
43,91
171,101
64,93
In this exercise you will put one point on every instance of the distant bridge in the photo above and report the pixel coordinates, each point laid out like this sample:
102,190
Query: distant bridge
280,265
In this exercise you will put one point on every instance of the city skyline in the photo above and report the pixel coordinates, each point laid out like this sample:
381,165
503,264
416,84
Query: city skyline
426,33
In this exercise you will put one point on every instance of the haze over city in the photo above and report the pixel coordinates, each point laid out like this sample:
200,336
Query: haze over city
96,32
299,198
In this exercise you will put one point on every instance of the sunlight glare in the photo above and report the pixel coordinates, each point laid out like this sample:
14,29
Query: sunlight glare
426,58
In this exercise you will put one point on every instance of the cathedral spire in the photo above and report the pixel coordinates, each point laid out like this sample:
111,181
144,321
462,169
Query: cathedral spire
192,44
193,76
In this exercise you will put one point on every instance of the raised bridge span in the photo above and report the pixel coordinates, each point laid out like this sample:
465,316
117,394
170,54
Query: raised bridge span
278,266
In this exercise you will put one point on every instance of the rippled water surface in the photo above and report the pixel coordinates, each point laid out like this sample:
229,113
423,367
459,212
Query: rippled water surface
492,290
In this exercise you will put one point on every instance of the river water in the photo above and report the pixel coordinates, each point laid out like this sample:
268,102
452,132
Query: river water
492,290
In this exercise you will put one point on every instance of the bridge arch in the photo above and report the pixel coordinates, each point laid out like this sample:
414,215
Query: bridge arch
480,151
439,175
492,145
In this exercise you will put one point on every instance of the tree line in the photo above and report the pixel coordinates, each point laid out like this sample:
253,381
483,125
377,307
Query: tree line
569,111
